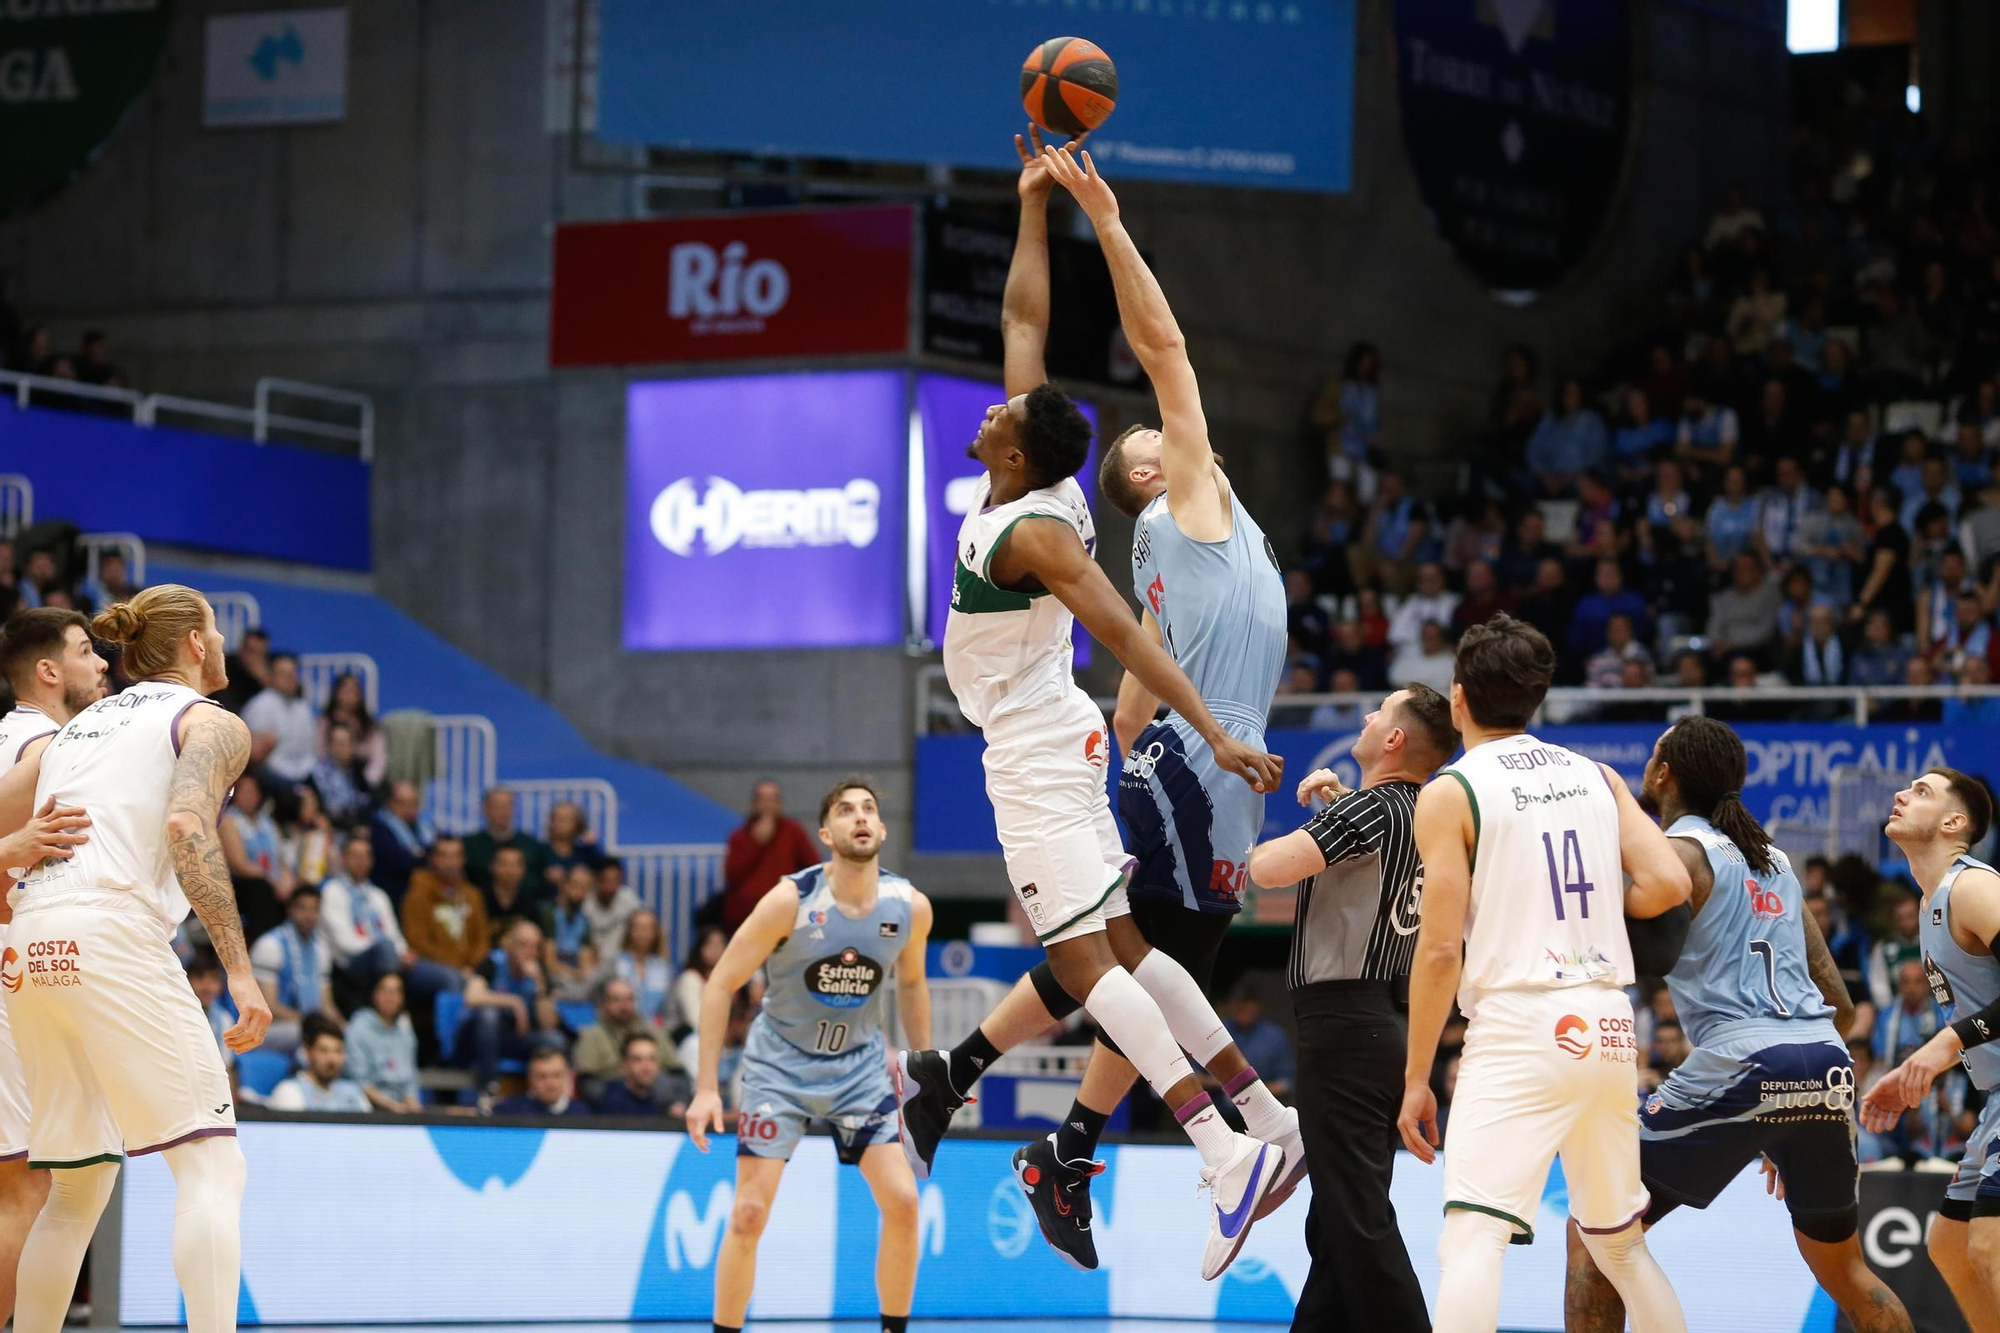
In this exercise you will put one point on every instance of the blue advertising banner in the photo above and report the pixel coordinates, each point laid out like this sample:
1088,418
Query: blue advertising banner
184,488
949,410
766,511
579,1224
1195,82
1791,767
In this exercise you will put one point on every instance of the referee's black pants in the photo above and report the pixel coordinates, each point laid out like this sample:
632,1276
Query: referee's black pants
1350,1087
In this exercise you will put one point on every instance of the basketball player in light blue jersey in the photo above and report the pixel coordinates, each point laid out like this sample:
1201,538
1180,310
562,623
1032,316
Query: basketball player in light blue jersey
828,939
1215,600
1764,1005
1933,822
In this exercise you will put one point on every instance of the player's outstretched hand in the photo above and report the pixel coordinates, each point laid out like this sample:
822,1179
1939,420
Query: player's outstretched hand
1262,771
1323,783
253,1015
1417,1122
1035,182
1076,173
704,1115
1916,1074
1774,1184
50,835
1884,1105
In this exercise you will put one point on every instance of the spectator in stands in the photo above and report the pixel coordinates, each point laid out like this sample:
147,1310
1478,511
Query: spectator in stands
443,917
1969,637
1919,673
1820,658
1674,572
643,1090
1756,316
249,671
1640,438
1909,1022
1475,535
1522,556
1589,622
569,841
39,579
1899,347
1743,617
249,836
1732,221
1795,599
1732,519
1349,652
295,969
1705,437
93,361
205,978
306,840
1431,602
1305,621
401,837
509,897
1785,512
1880,660
1347,417
358,923
319,1087
1982,711
1262,1041
1606,668
1338,716
333,779
382,1049
509,1010
548,1092
768,846
1669,1049
1428,661
1902,945
1938,598
1335,527
1935,486
112,583
499,831
1483,600
1400,532
1830,542
600,1047
1548,600
684,1013
1971,458
570,956
611,906
1668,500
284,736
1569,442
1743,674
347,705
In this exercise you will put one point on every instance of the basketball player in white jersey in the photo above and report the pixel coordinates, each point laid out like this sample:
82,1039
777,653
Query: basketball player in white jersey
1526,846
118,1053
52,667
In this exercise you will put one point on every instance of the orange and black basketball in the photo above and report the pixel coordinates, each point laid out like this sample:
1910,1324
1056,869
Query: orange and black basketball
1068,85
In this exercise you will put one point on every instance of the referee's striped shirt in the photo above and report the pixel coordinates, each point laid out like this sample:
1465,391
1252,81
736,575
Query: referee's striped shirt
1357,919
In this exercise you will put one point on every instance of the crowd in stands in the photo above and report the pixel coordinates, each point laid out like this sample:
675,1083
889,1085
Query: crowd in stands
1791,476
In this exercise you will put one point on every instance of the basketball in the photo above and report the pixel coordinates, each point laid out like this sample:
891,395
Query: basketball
1068,86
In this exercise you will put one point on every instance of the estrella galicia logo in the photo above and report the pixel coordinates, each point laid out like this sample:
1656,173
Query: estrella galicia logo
844,981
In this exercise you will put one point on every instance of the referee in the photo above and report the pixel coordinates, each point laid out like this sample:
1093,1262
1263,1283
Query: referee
1360,889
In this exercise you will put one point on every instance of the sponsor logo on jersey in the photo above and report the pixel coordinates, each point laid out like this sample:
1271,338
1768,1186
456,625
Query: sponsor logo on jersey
1653,1104
817,917
1573,1036
726,515
1228,878
1835,1092
889,930
1156,592
1096,752
1616,1041
52,963
1763,902
1937,916
10,970
844,980
1940,985
752,1127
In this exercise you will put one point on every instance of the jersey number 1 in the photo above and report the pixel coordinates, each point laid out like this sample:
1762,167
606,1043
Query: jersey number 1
1571,879
832,1036
1762,948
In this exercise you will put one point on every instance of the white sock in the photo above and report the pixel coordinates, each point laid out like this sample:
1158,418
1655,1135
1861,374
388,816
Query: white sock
1210,1133
52,1256
1128,1015
208,1230
1623,1258
1190,1017
1263,1114
1470,1250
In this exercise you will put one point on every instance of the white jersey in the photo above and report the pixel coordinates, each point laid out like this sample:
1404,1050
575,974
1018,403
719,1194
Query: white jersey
116,760
1007,654
1548,879
26,723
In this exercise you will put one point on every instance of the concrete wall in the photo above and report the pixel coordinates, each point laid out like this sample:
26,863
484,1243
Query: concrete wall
405,251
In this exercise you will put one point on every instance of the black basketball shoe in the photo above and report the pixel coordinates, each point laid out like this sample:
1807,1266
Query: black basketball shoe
923,1088
1060,1193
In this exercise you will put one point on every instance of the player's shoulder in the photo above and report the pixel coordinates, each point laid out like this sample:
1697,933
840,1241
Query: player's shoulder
1979,878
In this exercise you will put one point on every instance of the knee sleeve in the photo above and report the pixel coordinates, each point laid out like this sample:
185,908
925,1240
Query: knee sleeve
1059,1002
1829,1228
208,1173
1471,1248
1622,1257
79,1194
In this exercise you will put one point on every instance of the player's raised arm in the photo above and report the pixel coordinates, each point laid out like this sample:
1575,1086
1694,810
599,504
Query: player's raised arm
1024,306
1659,881
913,987
767,926
214,747
1444,844
1137,705
1186,460
1049,551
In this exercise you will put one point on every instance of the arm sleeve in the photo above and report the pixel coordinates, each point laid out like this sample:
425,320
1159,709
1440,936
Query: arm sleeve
1979,1028
1347,828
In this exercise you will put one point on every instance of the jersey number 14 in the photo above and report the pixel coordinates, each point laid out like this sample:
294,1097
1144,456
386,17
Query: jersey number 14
1571,878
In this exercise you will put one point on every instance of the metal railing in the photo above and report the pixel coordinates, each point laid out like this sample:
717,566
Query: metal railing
673,880
97,545
318,671
17,504
235,614
467,747
937,710
535,797
262,421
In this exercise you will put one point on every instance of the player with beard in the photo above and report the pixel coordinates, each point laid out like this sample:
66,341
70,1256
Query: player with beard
816,1050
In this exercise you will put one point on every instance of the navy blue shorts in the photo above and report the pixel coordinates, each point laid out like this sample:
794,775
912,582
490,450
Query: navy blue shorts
1793,1102
1189,824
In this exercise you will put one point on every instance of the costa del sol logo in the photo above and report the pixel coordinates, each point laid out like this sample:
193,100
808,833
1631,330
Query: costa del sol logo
10,970
1573,1036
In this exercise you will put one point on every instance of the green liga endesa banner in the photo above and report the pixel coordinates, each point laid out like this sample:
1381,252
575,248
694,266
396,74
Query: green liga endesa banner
69,72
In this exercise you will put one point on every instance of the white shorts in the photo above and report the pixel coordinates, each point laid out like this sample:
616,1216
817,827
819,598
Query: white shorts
13,1082
119,1056
1547,1072
1052,806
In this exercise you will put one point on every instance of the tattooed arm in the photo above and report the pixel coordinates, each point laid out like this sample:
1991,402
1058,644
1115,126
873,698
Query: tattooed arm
214,746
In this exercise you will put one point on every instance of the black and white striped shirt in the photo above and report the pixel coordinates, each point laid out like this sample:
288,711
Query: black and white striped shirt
1357,919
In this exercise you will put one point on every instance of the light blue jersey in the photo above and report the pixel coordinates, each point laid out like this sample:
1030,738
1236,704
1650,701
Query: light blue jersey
1960,981
1744,963
1221,610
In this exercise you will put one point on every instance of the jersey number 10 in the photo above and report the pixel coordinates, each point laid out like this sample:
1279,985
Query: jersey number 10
1571,879
831,1037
